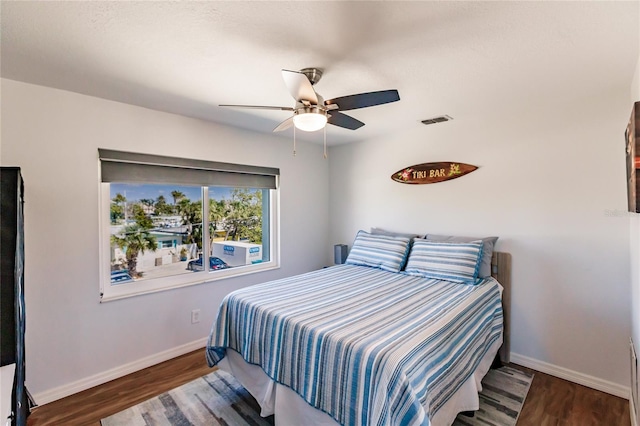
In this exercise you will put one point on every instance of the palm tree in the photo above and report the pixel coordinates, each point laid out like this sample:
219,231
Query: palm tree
218,211
161,206
177,195
244,215
134,240
118,208
191,213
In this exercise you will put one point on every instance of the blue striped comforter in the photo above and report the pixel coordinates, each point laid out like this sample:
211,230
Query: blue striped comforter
366,346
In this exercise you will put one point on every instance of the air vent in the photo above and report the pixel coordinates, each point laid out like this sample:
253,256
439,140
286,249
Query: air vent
435,120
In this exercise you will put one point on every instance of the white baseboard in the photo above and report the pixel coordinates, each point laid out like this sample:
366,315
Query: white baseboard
100,378
573,376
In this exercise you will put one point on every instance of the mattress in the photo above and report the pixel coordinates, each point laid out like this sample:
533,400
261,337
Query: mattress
359,345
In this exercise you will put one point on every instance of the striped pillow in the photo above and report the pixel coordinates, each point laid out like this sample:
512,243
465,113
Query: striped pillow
456,262
379,251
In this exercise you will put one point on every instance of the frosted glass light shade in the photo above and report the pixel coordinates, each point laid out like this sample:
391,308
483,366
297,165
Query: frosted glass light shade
309,121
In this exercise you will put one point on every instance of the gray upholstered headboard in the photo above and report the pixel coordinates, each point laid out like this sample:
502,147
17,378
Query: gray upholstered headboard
501,271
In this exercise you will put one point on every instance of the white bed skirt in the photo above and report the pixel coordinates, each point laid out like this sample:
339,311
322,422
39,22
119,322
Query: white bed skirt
291,410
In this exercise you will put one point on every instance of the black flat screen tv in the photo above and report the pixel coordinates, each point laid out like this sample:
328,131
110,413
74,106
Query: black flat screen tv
12,302
9,200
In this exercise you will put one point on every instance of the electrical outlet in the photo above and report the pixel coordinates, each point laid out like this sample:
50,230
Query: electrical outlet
195,316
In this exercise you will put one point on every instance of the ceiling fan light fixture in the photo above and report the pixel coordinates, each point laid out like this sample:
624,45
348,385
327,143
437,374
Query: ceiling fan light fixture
310,119
312,113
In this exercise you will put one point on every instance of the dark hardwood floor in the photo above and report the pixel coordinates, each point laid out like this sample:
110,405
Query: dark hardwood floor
551,401
88,407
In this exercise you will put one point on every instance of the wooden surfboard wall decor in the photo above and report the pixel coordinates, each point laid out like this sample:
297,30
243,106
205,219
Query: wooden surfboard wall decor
432,172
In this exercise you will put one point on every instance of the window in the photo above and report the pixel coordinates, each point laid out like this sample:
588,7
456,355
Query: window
239,225
162,216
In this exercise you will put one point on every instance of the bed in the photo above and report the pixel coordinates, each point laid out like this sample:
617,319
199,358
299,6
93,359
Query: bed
366,343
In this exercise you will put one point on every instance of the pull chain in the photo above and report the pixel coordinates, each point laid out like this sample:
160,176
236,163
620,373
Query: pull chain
325,142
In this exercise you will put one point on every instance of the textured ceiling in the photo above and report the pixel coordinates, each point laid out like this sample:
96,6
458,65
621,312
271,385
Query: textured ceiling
454,58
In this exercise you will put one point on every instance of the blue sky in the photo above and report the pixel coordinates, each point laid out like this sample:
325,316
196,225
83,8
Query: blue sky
135,192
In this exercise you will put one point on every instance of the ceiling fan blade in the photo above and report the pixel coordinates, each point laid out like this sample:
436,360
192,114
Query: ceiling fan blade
364,100
284,125
344,120
259,107
299,86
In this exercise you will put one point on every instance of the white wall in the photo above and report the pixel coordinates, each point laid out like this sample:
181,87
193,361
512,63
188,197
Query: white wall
551,185
54,135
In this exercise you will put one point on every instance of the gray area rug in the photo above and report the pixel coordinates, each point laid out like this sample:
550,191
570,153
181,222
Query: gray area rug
218,399
501,399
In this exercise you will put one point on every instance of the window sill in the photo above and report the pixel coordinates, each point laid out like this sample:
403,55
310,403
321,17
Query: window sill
122,291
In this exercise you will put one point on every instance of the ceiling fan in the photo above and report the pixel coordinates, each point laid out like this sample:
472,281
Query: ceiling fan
311,112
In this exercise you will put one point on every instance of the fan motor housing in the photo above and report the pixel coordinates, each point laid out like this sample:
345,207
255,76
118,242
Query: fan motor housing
313,74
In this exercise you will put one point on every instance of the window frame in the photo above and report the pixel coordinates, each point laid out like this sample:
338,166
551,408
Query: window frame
109,292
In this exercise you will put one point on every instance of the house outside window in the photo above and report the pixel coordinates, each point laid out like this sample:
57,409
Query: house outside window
153,233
